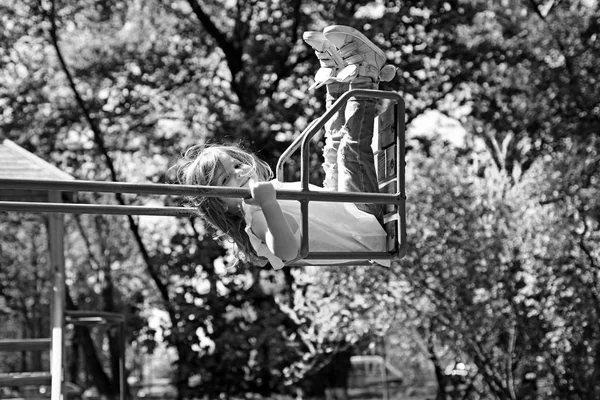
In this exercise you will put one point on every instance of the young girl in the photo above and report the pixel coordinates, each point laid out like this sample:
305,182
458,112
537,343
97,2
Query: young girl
265,227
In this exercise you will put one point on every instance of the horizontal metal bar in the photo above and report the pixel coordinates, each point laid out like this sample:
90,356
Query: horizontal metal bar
90,321
74,315
68,208
343,259
339,263
359,255
25,344
187,190
123,187
25,378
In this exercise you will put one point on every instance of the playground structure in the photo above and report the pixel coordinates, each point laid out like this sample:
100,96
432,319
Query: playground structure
373,373
389,160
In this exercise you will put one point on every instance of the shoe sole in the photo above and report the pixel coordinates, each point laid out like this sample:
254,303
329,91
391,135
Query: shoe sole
346,30
315,36
325,46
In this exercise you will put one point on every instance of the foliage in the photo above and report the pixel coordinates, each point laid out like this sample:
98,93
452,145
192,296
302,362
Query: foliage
502,268
25,293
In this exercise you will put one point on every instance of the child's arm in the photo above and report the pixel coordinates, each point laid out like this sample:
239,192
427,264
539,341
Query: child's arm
273,227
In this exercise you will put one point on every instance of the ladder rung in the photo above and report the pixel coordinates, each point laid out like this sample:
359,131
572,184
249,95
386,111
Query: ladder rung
390,217
25,344
25,378
385,182
93,317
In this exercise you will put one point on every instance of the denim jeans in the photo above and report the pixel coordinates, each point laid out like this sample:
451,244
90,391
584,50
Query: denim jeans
348,157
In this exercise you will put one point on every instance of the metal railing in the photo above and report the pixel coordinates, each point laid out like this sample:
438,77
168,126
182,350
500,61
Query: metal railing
304,196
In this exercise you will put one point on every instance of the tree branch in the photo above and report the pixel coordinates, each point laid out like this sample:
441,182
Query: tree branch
595,285
573,78
233,53
99,141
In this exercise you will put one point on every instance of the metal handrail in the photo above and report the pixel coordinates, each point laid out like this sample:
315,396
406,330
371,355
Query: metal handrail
180,190
303,140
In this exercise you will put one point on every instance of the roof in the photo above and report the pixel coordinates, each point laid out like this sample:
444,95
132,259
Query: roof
15,161
18,163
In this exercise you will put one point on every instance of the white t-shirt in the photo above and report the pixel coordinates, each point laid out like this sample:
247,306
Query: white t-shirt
333,227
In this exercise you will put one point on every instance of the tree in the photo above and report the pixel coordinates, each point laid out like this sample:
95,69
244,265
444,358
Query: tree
25,289
503,230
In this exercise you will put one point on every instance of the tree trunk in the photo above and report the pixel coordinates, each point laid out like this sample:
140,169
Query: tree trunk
93,365
439,372
336,376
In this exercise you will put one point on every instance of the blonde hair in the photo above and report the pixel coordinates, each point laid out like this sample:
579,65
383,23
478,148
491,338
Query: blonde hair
199,167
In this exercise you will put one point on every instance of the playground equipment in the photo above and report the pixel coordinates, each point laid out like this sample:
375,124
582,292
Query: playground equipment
389,156
373,374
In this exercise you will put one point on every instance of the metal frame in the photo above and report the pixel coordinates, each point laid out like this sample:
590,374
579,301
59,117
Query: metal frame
94,318
397,198
56,236
304,196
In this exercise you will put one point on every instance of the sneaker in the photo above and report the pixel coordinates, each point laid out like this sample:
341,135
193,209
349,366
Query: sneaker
331,61
363,58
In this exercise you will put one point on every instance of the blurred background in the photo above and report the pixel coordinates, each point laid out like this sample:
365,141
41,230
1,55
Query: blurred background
498,296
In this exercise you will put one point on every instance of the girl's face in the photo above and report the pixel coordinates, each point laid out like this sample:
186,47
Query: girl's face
233,173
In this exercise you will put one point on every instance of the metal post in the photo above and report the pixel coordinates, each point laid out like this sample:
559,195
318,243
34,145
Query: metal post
122,344
57,268
386,387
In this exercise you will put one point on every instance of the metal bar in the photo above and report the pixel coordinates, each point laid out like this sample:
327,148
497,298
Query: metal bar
311,195
401,178
122,360
57,266
25,344
123,187
112,317
207,191
285,156
304,248
324,255
24,378
66,208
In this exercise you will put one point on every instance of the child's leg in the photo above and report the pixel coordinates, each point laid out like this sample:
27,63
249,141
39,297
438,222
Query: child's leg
333,136
331,63
356,165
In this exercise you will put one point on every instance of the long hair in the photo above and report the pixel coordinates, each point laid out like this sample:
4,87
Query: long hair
199,167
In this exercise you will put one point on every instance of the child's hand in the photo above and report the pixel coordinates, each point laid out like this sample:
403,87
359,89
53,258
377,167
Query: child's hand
262,193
